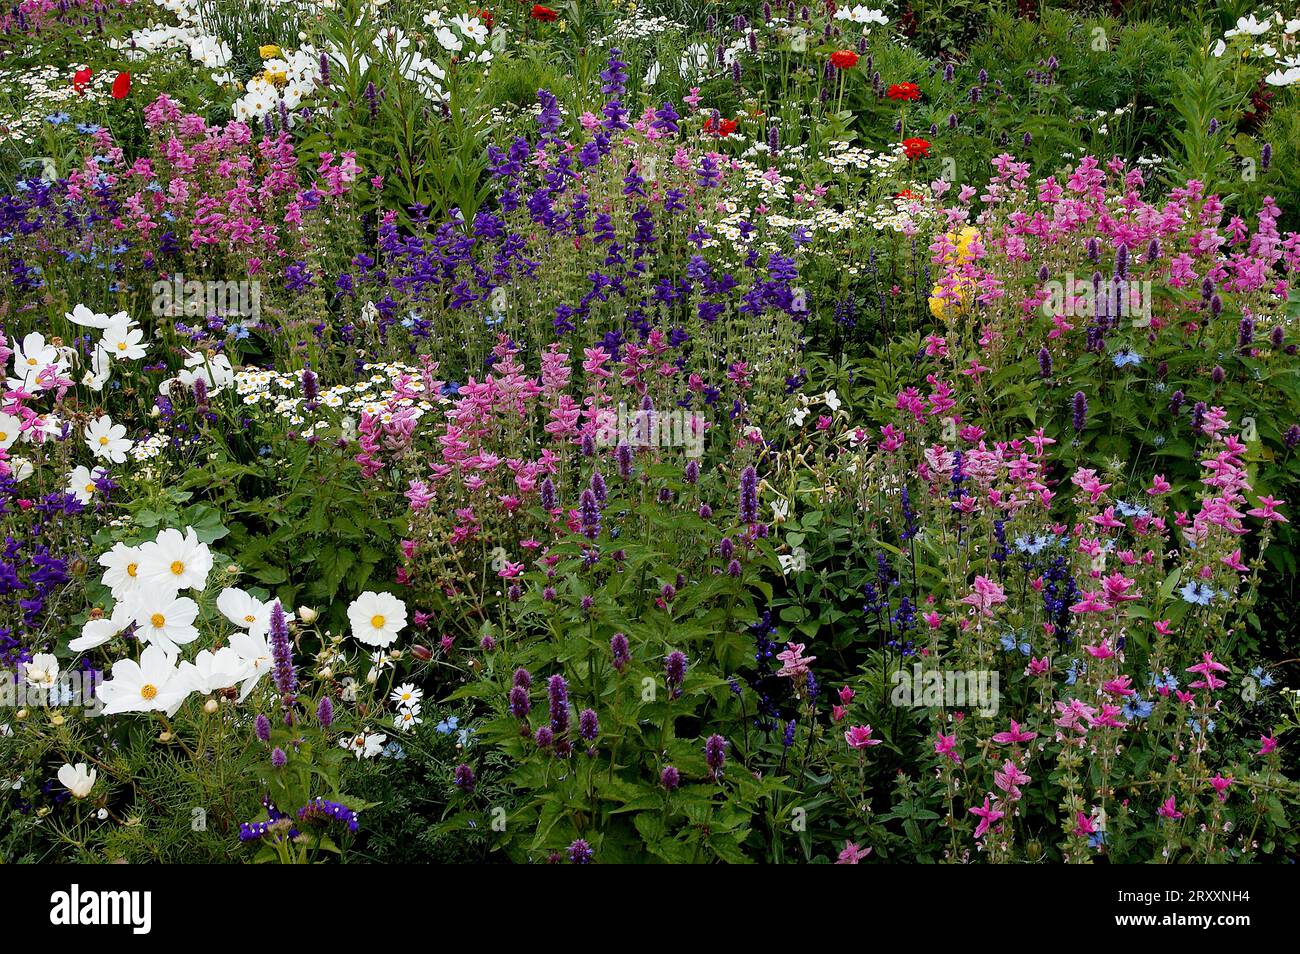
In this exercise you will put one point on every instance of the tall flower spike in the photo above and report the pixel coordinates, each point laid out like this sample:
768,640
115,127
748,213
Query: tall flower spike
284,675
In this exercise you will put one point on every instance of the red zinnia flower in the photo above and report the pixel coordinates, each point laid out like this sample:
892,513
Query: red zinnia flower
122,86
545,14
80,79
904,91
915,147
844,59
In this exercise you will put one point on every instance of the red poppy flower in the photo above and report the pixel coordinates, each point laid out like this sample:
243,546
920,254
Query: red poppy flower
80,79
906,91
909,195
844,59
122,86
487,18
915,147
544,14
723,129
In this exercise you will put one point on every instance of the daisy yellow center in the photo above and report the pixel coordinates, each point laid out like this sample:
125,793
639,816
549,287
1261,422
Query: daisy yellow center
250,618
158,620
177,567
131,569
90,488
377,621
148,691
103,441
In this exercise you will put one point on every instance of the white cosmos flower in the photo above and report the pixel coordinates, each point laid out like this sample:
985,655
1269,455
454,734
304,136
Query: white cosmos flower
81,482
123,342
78,779
175,562
10,430
107,440
471,27
448,40
96,632
211,671
81,315
152,684
121,570
255,652
31,357
43,670
164,620
246,611
364,744
19,468
377,618
100,370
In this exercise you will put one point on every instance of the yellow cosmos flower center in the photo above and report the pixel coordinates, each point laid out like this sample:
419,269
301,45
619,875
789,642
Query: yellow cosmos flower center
121,346
103,441
131,569
250,618
177,567
158,620
90,488
3,436
32,362
377,621
148,691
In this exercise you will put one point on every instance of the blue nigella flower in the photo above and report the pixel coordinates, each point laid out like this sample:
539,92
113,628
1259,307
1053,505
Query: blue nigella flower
1262,676
1010,645
1137,708
1124,357
1198,593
